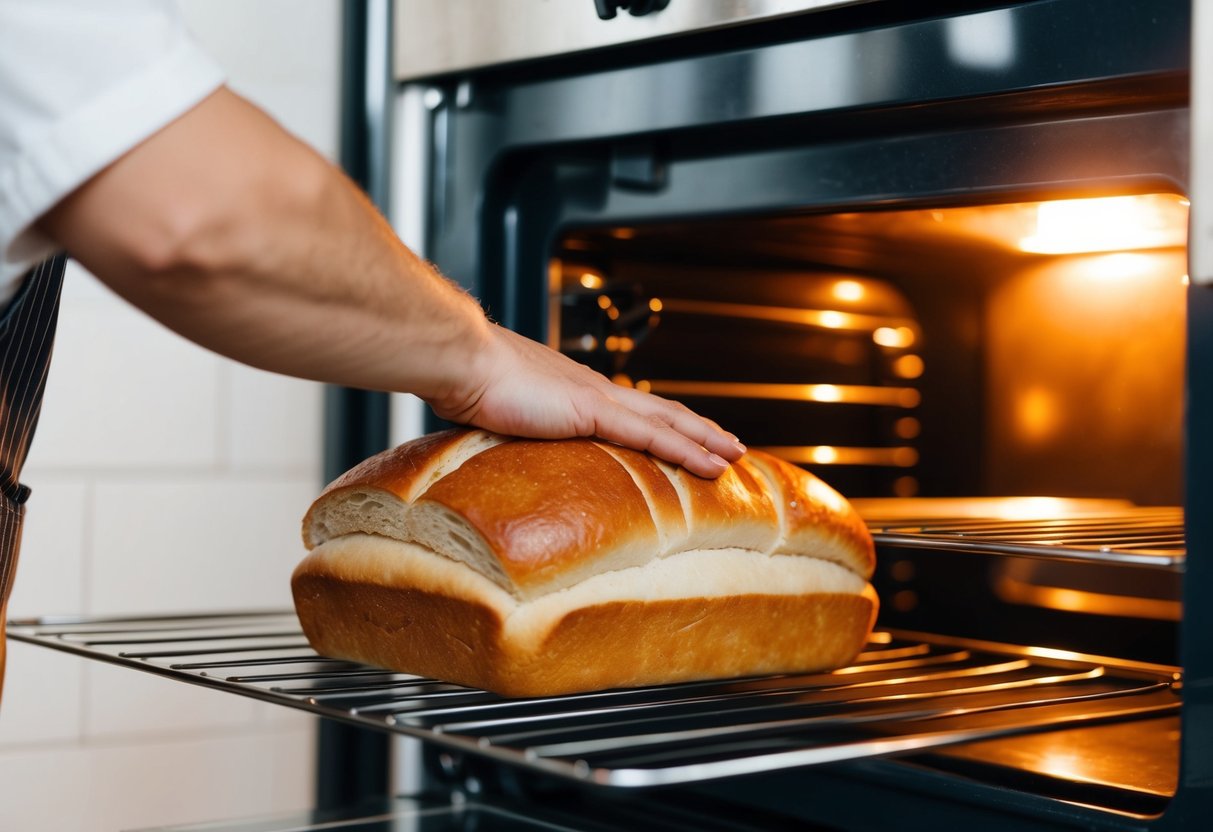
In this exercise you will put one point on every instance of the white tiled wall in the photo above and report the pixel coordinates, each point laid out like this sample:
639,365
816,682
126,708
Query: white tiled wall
167,479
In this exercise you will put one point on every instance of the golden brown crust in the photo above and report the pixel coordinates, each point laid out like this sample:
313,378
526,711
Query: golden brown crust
662,497
400,469
734,509
632,643
815,517
550,513
400,472
547,507
616,644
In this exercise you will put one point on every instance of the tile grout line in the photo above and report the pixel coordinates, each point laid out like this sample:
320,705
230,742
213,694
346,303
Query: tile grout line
87,553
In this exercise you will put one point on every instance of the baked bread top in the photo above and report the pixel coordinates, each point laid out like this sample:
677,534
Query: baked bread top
536,516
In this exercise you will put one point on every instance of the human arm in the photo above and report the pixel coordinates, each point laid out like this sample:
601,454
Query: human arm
239,237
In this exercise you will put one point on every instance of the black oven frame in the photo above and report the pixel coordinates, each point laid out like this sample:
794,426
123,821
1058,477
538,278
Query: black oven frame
518,155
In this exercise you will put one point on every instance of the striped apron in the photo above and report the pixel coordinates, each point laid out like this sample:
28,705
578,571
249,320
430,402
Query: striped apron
27,332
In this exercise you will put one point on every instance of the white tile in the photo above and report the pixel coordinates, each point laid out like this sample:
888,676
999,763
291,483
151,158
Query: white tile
214,779
42,692
270,40
268,713
292,766
124,392
50,567
128,786
124,703
282,55
274,423
44,788
179,546
80,286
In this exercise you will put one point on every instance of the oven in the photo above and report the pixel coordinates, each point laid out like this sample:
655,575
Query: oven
952,257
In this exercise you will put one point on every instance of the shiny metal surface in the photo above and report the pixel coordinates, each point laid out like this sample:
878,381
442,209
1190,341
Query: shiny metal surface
1141,762
482,813
1200,253
906,693
436,37
400,815
843,393
1145,537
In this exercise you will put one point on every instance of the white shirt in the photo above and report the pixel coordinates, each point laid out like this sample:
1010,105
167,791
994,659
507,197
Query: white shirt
81,83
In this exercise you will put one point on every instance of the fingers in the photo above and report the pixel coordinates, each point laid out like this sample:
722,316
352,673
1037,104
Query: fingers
682,419
537,392
618,423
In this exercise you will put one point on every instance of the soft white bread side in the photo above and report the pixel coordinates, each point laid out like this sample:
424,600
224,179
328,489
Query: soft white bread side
489,561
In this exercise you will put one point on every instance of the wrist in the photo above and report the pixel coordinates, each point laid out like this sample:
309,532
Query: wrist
462,379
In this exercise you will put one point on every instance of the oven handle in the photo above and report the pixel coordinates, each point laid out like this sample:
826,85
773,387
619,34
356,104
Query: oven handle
607,9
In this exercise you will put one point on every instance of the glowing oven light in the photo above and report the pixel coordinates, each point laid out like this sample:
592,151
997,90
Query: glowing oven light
894,337
825,393
1031,508
849,290
832,319
1118,223
824,455
1123,265
908,366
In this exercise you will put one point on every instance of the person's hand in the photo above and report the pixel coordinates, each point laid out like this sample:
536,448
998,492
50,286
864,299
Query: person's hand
520,387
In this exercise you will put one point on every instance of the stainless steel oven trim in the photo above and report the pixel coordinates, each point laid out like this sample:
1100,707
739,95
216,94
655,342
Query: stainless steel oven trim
437,37
1200,250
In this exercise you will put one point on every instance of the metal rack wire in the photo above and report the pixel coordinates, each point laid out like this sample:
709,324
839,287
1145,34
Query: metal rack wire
1148,537
904,693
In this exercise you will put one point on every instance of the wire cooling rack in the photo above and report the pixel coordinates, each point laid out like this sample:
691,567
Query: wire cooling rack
905,693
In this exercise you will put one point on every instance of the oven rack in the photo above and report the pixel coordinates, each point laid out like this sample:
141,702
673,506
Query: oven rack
1141,537
905,693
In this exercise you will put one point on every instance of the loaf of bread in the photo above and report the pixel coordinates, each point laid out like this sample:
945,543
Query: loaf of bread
534,568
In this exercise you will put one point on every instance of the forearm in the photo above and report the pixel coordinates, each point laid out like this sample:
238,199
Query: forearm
234,234
272,258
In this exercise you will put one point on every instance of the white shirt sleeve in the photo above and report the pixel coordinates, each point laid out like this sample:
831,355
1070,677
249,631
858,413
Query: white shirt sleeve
81,83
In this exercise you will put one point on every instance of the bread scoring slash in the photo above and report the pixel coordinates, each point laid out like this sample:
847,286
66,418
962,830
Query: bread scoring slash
534,568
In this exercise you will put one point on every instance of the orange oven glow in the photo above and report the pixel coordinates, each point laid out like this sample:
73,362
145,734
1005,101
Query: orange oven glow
1116,223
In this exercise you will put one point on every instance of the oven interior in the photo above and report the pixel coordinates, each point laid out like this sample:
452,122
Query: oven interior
987,350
